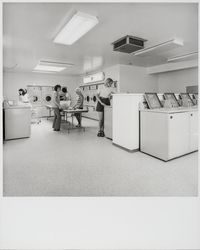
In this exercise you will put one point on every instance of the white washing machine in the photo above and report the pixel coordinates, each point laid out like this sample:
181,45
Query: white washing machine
90,100
94,100
87,95
94,96
35,95
47,95
91,96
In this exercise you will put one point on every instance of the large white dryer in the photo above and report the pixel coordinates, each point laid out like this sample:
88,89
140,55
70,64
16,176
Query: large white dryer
35,95
47,95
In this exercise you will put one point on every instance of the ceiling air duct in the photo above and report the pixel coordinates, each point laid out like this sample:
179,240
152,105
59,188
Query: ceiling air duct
128,44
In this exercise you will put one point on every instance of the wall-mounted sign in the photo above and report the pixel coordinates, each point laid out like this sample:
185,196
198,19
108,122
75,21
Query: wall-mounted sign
98,77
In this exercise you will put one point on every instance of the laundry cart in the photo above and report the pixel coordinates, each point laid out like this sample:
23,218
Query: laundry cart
35,117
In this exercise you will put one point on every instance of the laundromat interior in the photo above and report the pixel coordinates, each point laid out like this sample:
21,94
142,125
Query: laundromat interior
150,141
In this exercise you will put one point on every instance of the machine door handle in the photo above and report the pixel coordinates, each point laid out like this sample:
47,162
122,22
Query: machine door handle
191,114
171,116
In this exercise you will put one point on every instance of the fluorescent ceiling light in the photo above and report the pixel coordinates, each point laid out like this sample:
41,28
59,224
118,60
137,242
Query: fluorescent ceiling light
159,48
43,72
49,68
176,58
77,26
55,63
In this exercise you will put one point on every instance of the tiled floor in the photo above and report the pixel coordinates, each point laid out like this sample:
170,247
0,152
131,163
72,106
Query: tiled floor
82,164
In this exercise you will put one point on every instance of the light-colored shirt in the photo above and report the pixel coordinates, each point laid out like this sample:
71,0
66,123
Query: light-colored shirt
24,98
68,97
55,100
104,91
79,101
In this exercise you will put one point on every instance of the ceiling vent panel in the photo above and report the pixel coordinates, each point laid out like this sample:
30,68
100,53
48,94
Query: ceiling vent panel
128,44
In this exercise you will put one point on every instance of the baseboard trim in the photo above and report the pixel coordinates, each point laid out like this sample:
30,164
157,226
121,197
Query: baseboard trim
169,159
90,118
126,149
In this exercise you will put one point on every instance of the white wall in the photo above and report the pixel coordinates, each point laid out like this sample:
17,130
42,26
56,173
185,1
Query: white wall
176,81
132,79
113,72
14,81
136,80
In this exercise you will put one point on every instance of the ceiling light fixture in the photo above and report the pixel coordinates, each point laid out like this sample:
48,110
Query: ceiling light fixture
49,68
176,58
55,63
43,72
159,48
78,25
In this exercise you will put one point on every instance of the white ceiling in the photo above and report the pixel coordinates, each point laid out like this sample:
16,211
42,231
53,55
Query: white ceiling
29,29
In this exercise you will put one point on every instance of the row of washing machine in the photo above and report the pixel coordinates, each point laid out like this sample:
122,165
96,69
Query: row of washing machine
90,99
40,96
89,93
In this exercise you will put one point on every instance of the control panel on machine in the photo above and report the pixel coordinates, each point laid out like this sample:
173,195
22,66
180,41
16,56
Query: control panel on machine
186,100
170,100
153,100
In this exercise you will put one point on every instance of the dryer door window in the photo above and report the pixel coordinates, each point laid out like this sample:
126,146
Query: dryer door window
34,98
94,98
48,98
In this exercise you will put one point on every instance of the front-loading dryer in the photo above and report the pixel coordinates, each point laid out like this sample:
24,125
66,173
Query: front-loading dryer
35,96
47,95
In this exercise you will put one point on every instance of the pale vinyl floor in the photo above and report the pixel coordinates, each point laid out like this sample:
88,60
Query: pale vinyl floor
81,164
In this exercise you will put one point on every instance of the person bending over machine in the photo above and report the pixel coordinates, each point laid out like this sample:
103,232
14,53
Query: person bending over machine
103,96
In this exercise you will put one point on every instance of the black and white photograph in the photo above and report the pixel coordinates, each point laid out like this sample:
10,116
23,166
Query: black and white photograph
100,99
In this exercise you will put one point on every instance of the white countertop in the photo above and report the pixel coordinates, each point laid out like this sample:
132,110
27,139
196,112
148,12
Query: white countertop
127,94
171,110
18,107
